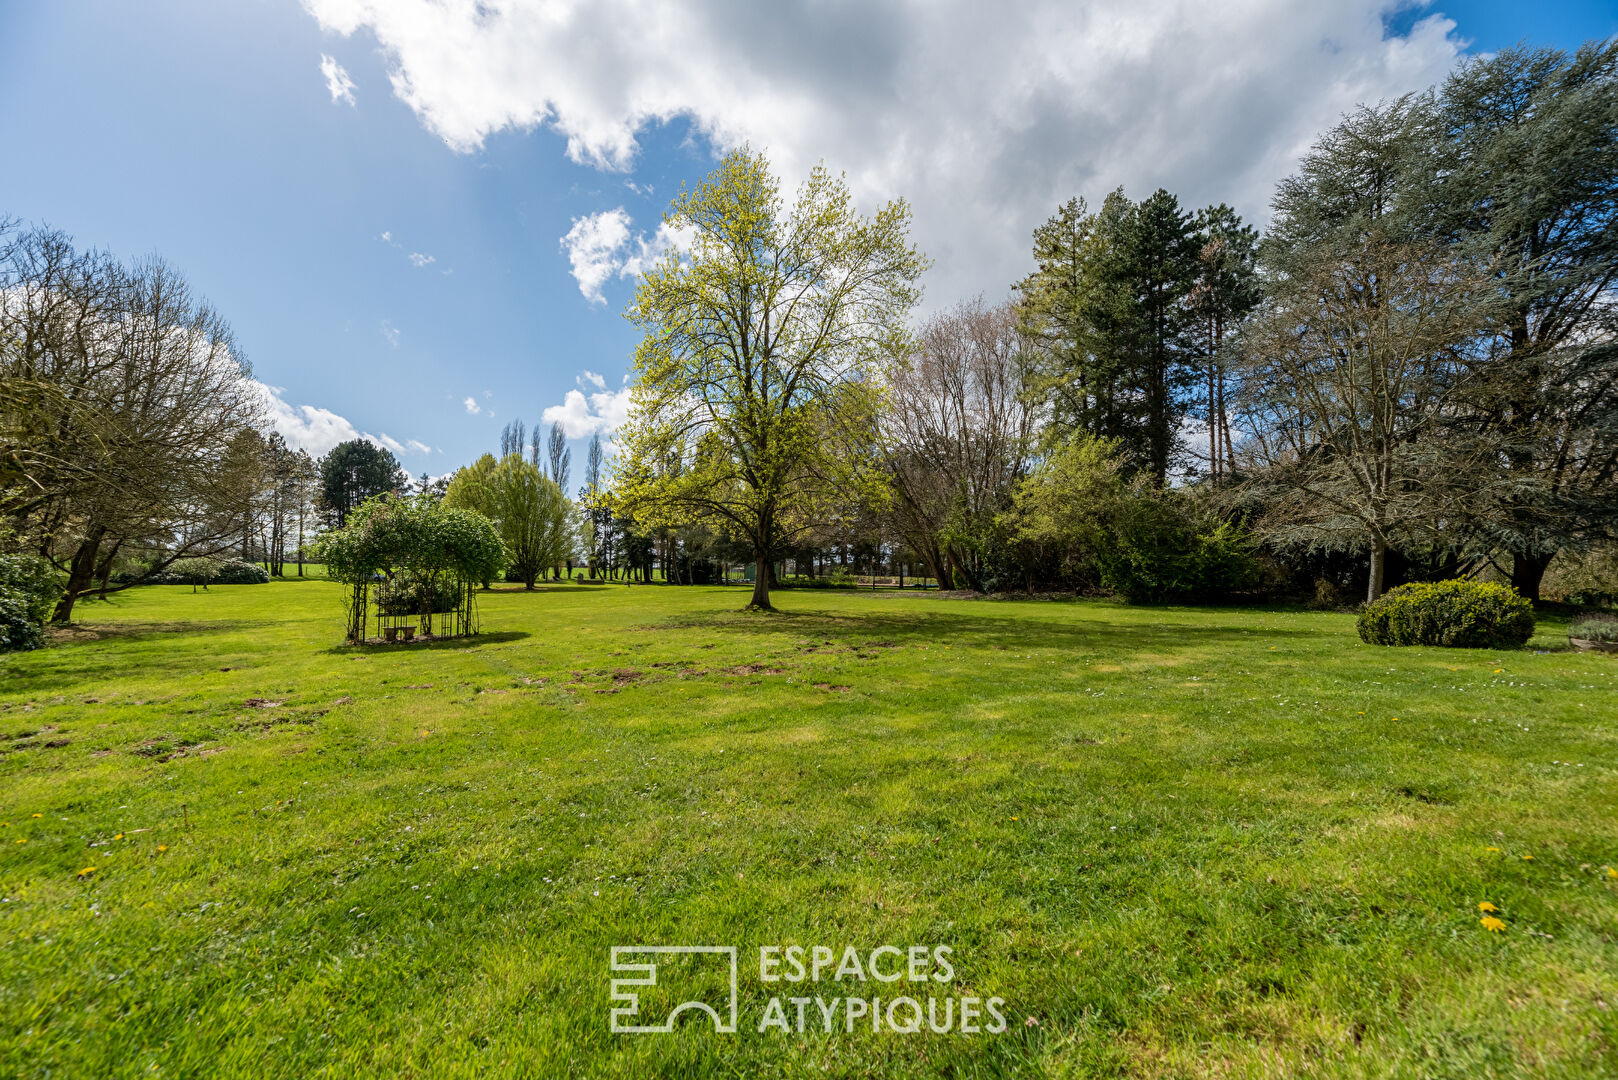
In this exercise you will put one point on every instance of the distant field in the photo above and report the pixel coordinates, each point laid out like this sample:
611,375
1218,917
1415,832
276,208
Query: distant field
1175,841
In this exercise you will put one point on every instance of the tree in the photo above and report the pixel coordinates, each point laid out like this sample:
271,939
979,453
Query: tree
1109,301
1225,291
1359,353
513,438
754,407
123,396
1529,153
355,471
958,433
533,517
561,458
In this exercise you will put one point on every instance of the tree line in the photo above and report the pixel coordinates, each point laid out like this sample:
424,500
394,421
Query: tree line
1410,375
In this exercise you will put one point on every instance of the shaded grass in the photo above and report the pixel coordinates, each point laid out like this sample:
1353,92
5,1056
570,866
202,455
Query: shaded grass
1181,842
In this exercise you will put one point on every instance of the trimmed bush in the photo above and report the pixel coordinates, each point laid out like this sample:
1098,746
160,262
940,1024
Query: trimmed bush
1453,614
1594,628
29,589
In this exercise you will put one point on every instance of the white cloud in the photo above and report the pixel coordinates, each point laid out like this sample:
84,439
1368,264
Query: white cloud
316,430
601,246
390,333
387,237
985,117
337,80
599,411
418,259
471,404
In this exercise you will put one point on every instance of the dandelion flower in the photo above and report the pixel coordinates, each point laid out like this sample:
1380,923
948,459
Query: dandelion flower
1498,671
162,847
22,841
1486,906
1492,924
36,815
1493,849
120,836
87,871
1612,873
1527,858
1013,819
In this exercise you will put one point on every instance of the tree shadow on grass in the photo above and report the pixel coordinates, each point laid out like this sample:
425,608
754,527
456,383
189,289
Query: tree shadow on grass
82,633
983,627
470,641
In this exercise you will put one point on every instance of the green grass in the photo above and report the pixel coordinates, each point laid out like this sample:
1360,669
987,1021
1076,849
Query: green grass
1177,842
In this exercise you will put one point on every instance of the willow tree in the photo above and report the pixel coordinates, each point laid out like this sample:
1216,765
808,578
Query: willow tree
754,404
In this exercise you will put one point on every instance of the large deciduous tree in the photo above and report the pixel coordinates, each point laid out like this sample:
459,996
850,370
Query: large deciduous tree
754,404
123,396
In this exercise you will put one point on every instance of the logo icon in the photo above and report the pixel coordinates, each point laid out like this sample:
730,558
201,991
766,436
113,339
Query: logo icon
685,961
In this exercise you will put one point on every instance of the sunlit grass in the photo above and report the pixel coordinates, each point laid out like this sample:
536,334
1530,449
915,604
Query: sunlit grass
1177,842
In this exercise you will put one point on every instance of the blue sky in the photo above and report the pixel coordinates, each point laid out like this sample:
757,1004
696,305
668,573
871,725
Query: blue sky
387,235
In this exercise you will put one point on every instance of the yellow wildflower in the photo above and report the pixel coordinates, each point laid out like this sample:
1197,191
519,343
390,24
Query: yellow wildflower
1492,924
1493,849
162,847
87,871
120,836
36,815
1612,873
1528,858
1486,906
22,841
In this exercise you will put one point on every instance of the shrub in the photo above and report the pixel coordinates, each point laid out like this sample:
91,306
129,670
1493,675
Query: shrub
828,581
1594,628
1454,614
1157,549
207,571
29,589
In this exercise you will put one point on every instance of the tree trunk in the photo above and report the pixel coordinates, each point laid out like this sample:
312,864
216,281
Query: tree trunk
81,572
1379,570
1528,573
761,583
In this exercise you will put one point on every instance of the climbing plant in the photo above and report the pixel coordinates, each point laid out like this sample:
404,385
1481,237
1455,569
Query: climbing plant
412,558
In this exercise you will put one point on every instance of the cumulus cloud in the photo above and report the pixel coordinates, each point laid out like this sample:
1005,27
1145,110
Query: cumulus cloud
984,118
390,333
590,412
316,430
601,246
337,80
471,404
418,259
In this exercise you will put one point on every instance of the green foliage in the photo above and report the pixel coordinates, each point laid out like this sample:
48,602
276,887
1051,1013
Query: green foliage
355,471
533,516
1157,547
1139,541
1594,628
207,570
1457,614
824,581
754,400
29,588
412,545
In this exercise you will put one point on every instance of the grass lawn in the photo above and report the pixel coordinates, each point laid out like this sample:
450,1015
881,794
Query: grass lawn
1175,841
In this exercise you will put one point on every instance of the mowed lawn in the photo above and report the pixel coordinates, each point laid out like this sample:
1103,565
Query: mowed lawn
1176,841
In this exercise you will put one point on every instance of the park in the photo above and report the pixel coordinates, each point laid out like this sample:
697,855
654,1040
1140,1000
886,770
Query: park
1001,579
